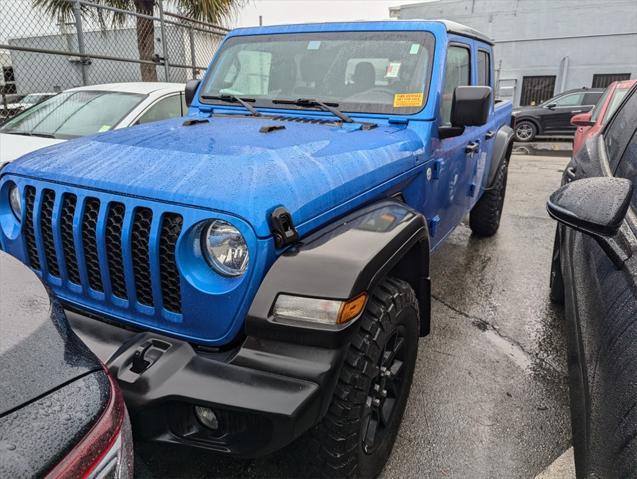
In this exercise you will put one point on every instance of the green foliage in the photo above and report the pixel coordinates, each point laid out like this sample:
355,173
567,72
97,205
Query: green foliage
212,11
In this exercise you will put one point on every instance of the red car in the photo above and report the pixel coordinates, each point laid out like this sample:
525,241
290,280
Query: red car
590,123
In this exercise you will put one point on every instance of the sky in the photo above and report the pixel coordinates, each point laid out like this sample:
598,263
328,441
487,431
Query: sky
304,11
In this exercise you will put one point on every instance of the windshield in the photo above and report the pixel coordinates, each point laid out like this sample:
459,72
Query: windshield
373,72
74,114
33,98
615,101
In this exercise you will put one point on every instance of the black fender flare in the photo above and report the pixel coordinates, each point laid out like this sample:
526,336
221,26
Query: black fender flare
502,147
342,260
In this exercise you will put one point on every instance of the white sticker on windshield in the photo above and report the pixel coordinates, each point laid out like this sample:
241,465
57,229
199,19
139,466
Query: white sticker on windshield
314,45
415,48
392,70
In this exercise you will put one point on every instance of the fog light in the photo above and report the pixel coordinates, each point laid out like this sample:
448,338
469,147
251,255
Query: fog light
207,417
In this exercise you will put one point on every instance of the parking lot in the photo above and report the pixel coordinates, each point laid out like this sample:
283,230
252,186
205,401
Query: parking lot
489,398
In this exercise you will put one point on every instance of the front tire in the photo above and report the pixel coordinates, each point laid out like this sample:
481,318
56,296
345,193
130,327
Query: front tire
356,436
484,219
525,131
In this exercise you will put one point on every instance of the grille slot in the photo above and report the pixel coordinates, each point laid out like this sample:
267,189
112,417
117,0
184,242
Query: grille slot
46,227
69,201
29,233
114,253
170,283
140,239
89,241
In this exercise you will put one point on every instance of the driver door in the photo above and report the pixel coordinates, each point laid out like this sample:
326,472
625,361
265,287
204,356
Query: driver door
454,157
562,110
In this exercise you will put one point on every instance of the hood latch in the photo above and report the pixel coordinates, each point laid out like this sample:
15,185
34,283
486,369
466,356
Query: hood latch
282,227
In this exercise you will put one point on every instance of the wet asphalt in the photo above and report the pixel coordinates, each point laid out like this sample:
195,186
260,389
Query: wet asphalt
489,397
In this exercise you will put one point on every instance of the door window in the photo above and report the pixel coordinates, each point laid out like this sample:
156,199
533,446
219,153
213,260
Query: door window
574,99
457,73
168,107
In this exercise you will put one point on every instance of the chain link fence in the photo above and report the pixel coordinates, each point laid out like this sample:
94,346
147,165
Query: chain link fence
88,44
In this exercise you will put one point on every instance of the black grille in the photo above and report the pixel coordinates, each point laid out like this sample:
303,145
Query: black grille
170,283
29,233
46,227
89,242
125,237
140,238
114,226
68,243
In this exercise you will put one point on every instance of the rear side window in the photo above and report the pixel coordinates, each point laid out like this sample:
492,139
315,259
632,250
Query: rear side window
457,73
484,68
620,130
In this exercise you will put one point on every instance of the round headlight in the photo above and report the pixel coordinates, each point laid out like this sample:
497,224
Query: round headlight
225,248
15,201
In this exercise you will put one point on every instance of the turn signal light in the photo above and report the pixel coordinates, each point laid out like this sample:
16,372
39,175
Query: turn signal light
352,308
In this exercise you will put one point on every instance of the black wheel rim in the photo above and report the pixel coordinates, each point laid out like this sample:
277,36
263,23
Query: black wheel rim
385,392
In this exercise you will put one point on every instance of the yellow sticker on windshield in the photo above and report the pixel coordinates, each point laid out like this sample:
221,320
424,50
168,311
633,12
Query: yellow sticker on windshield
407,100
104,128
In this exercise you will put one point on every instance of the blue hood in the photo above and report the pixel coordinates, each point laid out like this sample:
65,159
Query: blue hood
227,165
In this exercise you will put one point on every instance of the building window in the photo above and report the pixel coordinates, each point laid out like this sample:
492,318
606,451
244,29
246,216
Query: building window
602,80
537,89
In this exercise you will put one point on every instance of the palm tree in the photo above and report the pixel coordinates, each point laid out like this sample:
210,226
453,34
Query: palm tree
212,11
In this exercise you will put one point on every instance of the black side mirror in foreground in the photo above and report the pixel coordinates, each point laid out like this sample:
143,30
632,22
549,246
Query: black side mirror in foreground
471,106
597,207
191,89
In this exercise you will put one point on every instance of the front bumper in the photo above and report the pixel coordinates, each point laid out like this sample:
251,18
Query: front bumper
265,393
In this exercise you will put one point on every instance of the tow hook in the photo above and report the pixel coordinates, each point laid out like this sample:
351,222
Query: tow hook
147,354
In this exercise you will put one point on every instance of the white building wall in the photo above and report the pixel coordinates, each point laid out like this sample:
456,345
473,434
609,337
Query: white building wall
571,39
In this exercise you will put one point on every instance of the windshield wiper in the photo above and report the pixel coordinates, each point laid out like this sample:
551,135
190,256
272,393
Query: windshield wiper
329,107
235,99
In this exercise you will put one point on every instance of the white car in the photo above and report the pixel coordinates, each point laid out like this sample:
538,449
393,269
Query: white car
88,110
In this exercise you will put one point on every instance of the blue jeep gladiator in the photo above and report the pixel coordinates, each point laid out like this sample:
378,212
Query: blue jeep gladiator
258,272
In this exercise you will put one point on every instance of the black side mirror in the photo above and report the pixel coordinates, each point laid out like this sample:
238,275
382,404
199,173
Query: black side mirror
597,207
191,89
471,106
551,106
